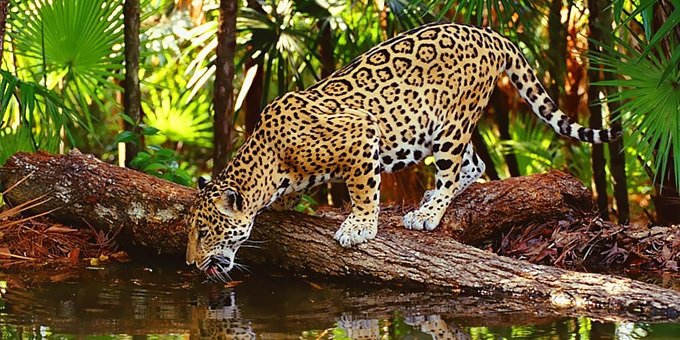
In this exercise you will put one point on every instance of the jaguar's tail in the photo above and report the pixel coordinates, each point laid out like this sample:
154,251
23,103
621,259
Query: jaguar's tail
533,92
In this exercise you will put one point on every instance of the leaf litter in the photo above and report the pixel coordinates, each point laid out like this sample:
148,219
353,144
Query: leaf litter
35,242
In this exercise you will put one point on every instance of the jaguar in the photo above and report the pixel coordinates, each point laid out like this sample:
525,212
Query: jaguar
418,94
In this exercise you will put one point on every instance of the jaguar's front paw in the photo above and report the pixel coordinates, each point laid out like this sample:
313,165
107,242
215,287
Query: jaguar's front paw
418,220
354,231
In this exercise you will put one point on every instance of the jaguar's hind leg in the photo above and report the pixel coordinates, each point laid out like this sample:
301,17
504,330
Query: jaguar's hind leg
448,150
473,168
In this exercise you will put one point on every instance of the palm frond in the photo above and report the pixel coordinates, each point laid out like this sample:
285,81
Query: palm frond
76,45
32,117
650,101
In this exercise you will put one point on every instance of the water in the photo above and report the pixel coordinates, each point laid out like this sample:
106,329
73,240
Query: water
164,302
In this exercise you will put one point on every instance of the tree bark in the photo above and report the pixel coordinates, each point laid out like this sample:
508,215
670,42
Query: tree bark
617,164
223,100
4,7
132,93
254,98
151,212
595,24
557,35
498,99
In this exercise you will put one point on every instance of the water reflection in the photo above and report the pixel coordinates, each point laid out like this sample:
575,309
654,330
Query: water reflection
130,302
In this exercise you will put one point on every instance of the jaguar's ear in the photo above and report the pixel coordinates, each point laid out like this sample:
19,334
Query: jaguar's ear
230,202
202,182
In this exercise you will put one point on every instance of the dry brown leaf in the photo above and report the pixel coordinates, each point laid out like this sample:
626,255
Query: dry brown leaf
60,229
5,253
74,255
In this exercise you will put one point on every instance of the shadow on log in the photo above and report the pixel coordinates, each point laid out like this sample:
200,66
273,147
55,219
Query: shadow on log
150,211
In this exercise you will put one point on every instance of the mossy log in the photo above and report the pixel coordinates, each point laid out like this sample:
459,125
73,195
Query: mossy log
150,212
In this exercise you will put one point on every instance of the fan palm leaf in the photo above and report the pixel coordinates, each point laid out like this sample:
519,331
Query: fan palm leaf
650,101
75,44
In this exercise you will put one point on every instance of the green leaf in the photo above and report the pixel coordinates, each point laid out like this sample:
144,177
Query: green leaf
666,28
165,154
141,158
126,137
153,167
128,119
150,131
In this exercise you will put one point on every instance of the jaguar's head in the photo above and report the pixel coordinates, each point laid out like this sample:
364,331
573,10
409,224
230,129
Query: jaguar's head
219,224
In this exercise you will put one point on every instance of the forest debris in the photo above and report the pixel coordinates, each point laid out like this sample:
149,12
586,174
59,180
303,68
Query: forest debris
34,241
40,242
583,241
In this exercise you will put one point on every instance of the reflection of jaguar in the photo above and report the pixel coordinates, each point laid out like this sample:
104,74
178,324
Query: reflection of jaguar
431,325
437,328
224,321
417,94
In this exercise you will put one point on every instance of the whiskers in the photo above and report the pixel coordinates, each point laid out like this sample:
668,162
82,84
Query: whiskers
203,264
242,267
216,269
253,244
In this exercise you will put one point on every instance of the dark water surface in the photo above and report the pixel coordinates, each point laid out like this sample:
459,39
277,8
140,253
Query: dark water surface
162,302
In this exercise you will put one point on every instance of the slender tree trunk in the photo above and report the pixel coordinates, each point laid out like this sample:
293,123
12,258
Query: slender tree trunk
557,35
4,6
132,95
253,100
326,48
667,199
223,100
254,96
617,166
499,102
595,24
617,157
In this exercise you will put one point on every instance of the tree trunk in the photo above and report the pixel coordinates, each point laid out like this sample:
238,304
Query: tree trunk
326,49
498,99
151,212
667,198
223,100
255,95
595,24
4,7
132,95
557,36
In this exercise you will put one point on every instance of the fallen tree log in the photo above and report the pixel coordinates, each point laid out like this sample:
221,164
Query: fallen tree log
150,212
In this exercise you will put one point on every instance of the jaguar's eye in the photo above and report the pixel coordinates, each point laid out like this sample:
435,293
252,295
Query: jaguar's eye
202,233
